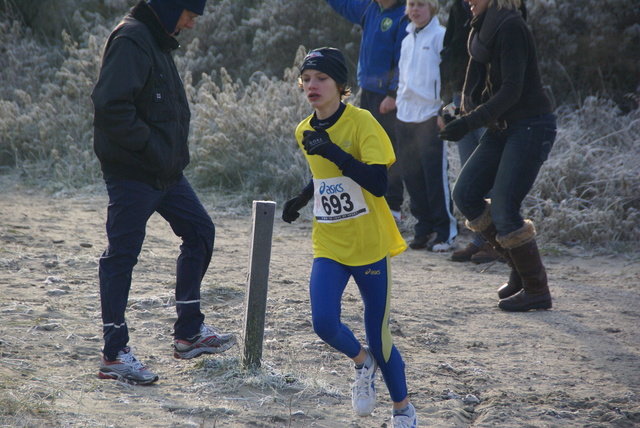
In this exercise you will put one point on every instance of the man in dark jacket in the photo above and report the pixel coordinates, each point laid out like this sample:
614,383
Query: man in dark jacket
141,127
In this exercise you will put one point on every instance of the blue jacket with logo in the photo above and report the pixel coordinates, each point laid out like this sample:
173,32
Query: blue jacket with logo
382,34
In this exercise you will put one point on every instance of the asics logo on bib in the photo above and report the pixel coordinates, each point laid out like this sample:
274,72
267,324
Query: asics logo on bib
338,198
330,189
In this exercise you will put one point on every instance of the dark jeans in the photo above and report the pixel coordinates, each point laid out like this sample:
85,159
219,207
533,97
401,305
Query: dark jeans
466,146
506,162
469,142
395,190
131,204
423,157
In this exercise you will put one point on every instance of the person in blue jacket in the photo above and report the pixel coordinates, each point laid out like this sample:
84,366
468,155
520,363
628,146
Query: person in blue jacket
384,26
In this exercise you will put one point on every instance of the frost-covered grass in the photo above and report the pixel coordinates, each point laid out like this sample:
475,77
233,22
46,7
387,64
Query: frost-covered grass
587,192
243,147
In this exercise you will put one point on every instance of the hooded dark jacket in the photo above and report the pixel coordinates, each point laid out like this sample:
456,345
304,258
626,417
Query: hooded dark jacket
142,116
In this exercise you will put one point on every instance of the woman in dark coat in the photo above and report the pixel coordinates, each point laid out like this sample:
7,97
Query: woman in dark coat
503,91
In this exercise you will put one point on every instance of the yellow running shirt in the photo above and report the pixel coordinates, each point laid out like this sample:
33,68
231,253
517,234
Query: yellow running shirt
350,225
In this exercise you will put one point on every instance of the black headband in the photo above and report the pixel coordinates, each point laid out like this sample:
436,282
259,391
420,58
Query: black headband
329,61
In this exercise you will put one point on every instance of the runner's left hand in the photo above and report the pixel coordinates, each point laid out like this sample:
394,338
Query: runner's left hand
316,142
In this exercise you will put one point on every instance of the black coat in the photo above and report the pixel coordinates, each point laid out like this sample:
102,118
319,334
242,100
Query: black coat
141,121
454,55
507,86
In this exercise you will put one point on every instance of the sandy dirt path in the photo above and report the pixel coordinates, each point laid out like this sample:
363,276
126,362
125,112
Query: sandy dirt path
468,363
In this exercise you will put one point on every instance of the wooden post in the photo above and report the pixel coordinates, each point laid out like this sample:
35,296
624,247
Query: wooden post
258,280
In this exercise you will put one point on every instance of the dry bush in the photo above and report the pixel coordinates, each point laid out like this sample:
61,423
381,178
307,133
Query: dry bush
46,121
587,192
587,47
242,135
248,36
242,140
49,18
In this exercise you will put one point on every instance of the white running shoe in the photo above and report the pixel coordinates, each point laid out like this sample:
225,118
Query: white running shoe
126,368
441,247
363,393
208,341
405,421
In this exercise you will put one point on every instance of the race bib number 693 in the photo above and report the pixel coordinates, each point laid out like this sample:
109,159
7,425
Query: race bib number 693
337,199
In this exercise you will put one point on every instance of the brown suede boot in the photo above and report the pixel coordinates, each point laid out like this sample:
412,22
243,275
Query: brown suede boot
487,254
514,283
525,256
465,254
487,230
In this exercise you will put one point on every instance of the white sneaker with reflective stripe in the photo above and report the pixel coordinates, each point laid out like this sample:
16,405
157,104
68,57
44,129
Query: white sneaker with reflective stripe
126,368
208,341
363,393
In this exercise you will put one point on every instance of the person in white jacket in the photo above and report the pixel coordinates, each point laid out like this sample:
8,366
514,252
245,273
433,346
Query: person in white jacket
422,155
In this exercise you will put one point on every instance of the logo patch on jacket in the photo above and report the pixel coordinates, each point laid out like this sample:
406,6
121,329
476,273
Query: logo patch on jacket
386,24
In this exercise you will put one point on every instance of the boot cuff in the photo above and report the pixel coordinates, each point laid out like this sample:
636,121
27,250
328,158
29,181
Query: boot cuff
481,223
518,237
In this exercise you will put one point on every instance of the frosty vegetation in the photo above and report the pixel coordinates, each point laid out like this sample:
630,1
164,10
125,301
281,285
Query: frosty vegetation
239,66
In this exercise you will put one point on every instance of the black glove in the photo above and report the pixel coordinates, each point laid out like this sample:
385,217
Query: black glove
316,142
454,131
292,206
447,117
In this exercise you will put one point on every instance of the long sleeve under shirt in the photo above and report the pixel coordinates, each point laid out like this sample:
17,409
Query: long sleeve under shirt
373,178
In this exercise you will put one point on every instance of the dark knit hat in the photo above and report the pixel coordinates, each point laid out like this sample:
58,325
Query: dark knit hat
169,11
195,6
329,61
